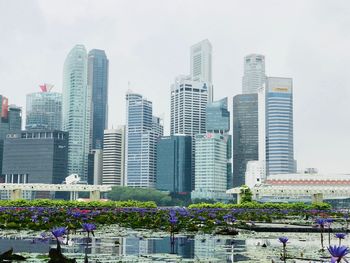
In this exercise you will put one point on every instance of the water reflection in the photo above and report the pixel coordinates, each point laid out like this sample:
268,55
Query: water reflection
249,247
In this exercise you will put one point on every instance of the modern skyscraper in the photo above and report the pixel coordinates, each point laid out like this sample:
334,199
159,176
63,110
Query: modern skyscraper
211,167
201,61
76,107
218,121
113,157
245,135
35,157
141,142
174,167
98,81
10,117
188,110
217,117
279,126
254,73
15,118
188,106
44,109
10,120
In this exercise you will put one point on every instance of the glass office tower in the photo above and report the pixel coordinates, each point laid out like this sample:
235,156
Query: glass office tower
279,126
211,167
244,135
174,154
218,121
44,109
98,81
76,108
142,133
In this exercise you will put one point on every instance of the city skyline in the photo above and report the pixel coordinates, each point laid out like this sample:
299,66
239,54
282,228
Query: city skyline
321,135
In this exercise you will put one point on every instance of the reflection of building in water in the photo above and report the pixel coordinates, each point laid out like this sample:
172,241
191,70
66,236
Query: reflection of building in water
107,246
206,247
136,246
183,246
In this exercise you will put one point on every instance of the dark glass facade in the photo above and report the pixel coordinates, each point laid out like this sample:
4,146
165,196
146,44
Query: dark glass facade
98,81
10,120
15,118
245,135
217,117
174,164
41,156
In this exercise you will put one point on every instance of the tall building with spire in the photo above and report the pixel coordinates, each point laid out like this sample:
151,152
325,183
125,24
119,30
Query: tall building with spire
44,109
254,73
142,132
76,108
98,81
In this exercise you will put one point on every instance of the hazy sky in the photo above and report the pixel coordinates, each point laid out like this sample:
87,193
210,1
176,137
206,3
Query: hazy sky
147,43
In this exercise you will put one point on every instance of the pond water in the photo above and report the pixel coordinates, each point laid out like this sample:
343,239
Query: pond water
114,244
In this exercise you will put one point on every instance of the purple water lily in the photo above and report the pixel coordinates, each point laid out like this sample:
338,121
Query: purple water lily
340,236
321,222
283,240
338,253
89,228
59,232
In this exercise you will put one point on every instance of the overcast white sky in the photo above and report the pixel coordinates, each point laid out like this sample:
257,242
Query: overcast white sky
147,43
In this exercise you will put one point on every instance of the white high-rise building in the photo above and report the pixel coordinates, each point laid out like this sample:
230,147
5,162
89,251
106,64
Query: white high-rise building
254,73
188,106
201,61
76,109
210,167
113,157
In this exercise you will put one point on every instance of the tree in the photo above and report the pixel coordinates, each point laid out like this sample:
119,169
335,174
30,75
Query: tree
246,194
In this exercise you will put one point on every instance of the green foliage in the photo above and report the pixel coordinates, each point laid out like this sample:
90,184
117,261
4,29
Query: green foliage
298,206
120,193
246,194
321,206
80,204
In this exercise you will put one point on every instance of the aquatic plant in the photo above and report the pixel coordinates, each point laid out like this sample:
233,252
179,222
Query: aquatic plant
329,222
321,222
89,228
338,253
340,236
55,254
284,241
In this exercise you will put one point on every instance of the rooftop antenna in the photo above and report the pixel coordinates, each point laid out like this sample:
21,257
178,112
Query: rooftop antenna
129,90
